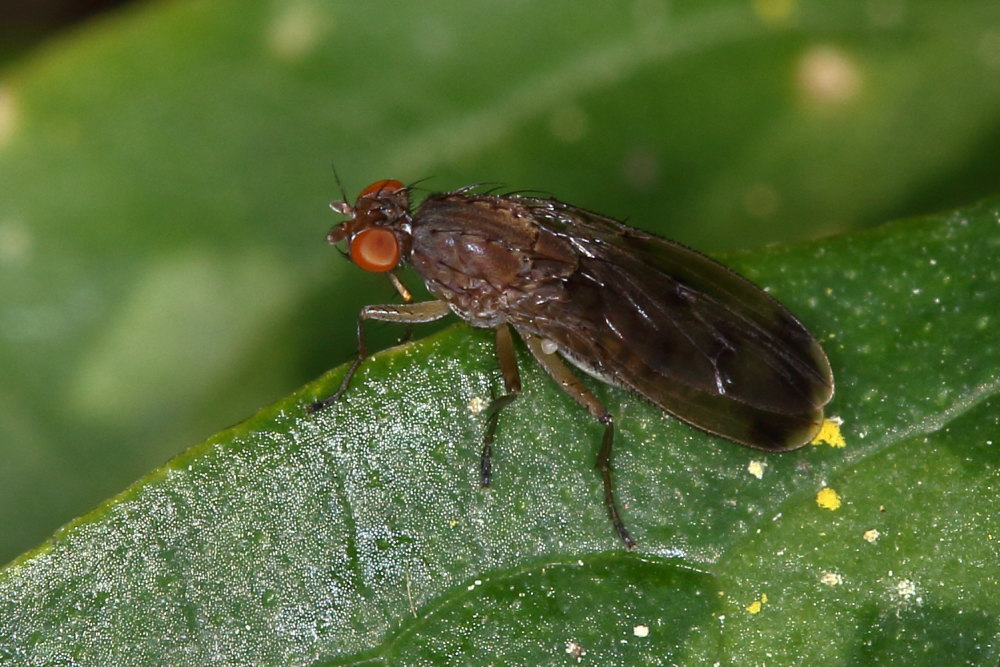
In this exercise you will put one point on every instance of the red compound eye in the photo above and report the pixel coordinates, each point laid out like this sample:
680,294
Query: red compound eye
375,249
387,186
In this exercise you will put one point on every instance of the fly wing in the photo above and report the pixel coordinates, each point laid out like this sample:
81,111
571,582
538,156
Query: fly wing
682,330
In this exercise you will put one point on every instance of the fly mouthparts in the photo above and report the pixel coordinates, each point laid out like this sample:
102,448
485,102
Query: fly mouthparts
338,232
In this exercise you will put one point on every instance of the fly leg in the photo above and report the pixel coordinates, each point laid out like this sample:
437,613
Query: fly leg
572,386
512,383
407,298
407,313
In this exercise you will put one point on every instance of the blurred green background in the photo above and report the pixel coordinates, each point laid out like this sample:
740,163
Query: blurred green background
165,170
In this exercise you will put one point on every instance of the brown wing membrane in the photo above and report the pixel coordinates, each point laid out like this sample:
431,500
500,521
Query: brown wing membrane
685,332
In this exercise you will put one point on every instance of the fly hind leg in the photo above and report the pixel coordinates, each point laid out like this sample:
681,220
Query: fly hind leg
572,386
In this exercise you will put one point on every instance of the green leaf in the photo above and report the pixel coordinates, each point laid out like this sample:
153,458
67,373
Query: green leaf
360,533
164,175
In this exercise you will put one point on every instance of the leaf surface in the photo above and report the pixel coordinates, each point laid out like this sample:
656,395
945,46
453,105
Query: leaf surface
361,533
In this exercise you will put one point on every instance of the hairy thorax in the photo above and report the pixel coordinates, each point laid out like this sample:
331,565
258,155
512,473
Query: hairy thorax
490,264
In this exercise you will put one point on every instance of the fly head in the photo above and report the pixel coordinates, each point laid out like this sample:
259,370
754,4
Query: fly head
378,227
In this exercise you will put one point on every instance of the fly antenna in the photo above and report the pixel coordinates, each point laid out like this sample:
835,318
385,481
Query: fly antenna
340,186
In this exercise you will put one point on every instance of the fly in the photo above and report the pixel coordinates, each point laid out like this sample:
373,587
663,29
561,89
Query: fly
632,309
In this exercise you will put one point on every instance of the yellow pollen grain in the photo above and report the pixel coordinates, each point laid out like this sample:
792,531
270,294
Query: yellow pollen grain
830,433
828,499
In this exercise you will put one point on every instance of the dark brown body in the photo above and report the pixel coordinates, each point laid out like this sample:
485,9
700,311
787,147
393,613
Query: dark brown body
699,341
632,309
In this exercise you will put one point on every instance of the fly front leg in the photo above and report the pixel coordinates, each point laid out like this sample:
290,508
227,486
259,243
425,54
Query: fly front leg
546,356
512,383
407,313
407,298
